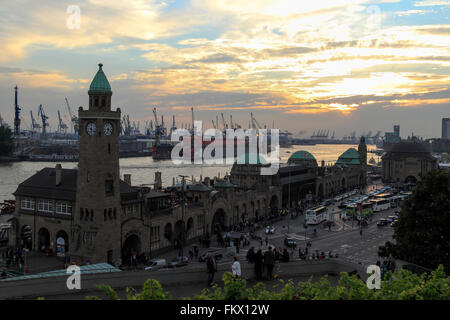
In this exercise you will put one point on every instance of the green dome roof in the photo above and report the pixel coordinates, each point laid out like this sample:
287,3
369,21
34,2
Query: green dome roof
251,158
100,82
302,155
351,156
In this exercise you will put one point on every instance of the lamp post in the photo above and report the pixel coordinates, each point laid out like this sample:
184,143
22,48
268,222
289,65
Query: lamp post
183,203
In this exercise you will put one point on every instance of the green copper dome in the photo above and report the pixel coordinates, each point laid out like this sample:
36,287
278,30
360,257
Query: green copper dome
100,82
302,155
251,158
351,156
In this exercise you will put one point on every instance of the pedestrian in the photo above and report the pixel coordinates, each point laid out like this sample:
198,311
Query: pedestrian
251,255
191,255
196,252
211,268
236,268
267,241
269,262
360,232
261,242
258,264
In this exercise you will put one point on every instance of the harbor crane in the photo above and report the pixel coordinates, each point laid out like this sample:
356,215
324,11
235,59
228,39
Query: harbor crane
223,122
62,127
34,125
16,114
254,122
73,118
174,128
157,128
44,119
214,125
231,122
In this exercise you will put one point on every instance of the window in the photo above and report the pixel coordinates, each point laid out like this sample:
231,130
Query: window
109,188
27,204
155,239
63,208
45,206
96,102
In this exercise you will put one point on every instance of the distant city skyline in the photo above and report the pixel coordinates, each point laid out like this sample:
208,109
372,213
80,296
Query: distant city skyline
341,65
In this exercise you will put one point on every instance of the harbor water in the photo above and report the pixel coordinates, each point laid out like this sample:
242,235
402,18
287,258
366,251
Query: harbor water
143,169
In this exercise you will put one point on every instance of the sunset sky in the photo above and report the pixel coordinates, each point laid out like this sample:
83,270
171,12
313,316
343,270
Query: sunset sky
341,65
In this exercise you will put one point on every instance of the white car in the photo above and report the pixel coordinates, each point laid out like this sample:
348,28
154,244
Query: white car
270,229
156,264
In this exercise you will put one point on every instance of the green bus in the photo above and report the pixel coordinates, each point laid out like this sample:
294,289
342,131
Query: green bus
366,210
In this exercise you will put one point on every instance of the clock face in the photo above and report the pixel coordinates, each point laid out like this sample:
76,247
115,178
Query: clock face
108,128
91,128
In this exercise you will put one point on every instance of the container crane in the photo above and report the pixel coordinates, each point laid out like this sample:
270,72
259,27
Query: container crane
231,122
62,127
73,118
223,122
44,119
16,114
157,128
34,124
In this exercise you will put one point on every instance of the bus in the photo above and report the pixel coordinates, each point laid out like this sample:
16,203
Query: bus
366,210
381,204
316,215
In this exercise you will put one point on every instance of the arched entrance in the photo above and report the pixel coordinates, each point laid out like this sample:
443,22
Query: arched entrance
131,246
411,180
168,232
218,222
320,191
43,239
179,236
190,228
26,237
274,204
62,243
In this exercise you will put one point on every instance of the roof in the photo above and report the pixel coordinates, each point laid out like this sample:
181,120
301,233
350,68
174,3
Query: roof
223,184
42,185
302,155
87,269
251,158
350,156
409,149
100,82
199,187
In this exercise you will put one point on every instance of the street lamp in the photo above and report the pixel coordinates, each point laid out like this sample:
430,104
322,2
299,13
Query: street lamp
183,203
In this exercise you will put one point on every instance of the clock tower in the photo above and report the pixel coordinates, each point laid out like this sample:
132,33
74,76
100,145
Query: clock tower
96,219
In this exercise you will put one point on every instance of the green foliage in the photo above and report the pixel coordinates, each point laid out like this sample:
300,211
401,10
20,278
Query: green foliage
402,285
421,233
6,144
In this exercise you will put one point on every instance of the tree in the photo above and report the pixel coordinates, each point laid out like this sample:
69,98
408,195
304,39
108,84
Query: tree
402,285
422,231
6,145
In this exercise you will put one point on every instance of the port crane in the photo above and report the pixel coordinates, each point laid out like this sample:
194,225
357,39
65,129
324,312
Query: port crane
174,128
223,122
157,128
34,125
16,114
62,127
44,119
254,123
73,118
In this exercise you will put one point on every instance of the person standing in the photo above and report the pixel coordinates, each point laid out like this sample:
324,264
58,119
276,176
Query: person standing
251,255
211,268
267,241
258,264
236,268
269,262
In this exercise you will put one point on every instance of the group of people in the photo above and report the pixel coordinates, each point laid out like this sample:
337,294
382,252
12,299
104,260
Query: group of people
387,265
262,262
14,258
211,268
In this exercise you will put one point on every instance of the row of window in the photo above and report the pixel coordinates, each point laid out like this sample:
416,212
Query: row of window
46,206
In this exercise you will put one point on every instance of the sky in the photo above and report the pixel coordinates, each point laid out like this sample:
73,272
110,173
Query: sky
340,65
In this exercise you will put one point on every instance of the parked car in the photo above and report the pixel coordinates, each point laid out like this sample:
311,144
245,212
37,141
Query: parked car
206,255
156,264
393,223
270,229
382,222
391,219
179,262
290,242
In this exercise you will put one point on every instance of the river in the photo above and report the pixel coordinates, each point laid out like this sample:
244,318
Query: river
143,169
